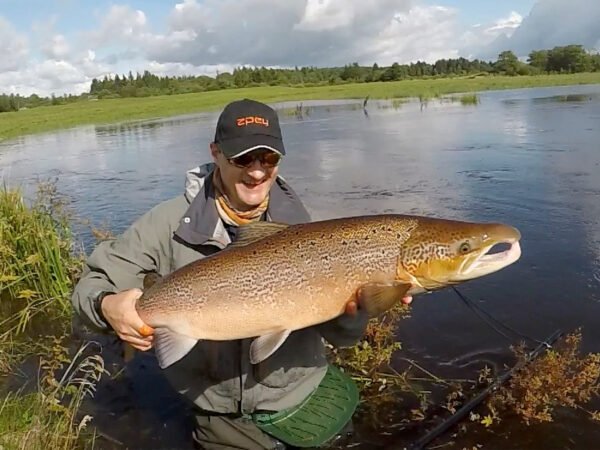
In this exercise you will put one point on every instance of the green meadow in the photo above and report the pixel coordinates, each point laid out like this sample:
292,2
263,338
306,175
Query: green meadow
48,118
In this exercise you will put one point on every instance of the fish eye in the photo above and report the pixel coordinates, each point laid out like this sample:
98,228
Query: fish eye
464,248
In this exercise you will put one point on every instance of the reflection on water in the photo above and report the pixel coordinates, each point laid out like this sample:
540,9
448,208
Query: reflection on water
526,157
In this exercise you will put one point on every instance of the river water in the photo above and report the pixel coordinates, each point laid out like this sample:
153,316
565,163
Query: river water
530,158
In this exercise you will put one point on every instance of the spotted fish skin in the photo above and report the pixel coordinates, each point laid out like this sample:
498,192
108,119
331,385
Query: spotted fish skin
305,274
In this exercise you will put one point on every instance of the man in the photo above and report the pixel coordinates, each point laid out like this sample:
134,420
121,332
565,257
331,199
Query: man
240,186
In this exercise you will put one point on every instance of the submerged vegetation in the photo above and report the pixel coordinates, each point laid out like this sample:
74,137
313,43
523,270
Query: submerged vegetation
469,99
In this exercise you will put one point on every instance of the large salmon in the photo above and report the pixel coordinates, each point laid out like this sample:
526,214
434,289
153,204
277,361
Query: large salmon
276,278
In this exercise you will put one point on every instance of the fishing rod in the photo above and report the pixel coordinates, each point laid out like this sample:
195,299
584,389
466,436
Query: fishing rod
461,413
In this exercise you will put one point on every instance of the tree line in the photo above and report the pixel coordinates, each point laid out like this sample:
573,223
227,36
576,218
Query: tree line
567,59
15,102
560,59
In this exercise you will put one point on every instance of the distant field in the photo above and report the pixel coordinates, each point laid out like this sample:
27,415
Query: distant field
49,118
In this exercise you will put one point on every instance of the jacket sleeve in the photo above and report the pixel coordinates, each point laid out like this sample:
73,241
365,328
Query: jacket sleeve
121,263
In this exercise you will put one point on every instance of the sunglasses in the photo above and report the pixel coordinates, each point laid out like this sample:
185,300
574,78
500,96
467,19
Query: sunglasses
267,158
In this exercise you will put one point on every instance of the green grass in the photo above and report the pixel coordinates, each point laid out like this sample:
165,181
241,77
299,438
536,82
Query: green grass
469,99
39,268
49,118
48,418
36,250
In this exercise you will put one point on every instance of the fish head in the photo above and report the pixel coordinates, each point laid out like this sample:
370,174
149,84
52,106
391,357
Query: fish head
440,253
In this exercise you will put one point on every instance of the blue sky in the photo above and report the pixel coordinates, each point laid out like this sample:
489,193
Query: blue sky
71,13
59,46
481,11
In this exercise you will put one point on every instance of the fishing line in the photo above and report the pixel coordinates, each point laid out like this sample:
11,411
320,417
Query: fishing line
491,321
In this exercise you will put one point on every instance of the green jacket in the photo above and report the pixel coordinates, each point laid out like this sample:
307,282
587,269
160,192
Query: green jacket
216,376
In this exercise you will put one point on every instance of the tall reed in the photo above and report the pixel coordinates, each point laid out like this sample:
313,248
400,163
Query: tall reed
37,259
469,99
38,268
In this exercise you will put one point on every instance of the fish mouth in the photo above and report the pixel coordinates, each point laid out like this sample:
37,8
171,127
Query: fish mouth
490,260
498,248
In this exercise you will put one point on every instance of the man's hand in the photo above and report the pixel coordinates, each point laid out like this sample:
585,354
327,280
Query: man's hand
119,311
352,306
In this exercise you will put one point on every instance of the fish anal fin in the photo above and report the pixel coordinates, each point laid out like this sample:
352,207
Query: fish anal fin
377,298
255,231
171,347
264,346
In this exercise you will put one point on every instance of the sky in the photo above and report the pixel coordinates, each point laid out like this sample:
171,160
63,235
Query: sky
59,46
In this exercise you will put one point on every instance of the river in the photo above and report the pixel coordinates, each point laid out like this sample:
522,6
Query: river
530,158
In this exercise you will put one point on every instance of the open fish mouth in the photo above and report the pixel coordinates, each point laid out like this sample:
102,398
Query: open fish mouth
490,260
509,256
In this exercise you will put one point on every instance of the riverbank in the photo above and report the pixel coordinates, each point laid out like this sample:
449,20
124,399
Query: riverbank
48,118
39,268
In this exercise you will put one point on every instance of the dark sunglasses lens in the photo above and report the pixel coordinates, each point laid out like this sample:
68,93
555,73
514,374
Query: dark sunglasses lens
267,159
270,158
243,160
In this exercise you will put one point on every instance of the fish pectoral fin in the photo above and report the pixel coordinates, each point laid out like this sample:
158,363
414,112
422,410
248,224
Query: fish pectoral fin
377,298
264,346
255,231
171,347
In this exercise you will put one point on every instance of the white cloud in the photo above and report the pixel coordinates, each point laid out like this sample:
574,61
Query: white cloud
201,37
56,48
476,40
44,78
53,74
422,33
322,15
14,47
506,26
304,32
551,23
178,69
122,25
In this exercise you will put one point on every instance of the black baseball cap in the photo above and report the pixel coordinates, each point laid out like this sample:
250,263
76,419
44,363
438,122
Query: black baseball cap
246,125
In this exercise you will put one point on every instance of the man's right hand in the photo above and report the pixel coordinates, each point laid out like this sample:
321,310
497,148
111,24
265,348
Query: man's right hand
119,311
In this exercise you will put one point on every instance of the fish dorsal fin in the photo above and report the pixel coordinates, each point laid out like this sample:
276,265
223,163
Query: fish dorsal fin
255,231
151,279
377,298
264,346
171,347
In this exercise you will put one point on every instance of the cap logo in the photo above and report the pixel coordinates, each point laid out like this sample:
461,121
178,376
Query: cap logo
249,120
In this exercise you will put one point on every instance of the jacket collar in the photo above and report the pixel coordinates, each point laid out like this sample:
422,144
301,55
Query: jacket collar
201,224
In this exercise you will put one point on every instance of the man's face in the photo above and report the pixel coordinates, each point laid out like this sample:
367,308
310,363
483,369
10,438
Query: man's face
246,187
